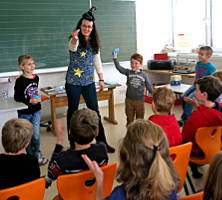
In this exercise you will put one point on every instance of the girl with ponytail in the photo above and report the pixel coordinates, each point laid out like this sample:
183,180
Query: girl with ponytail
146,171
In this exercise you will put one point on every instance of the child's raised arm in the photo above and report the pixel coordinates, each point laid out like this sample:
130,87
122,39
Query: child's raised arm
96,170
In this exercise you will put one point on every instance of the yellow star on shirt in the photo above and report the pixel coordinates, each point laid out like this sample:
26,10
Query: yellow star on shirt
83,54
78,72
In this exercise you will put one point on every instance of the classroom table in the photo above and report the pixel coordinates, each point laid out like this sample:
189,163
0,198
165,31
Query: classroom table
179,89
8,110
169,72
59,99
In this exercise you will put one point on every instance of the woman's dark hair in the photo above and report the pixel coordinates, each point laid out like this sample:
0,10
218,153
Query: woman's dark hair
94,37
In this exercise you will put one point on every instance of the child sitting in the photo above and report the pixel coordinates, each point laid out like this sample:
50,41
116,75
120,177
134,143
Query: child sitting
203,68
218,74
136,80
162,105
146,170
16,166
208,113
83,129
213,186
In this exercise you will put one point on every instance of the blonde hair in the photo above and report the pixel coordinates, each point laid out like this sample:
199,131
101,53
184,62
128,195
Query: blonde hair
16,134
146,169
213,187
164,99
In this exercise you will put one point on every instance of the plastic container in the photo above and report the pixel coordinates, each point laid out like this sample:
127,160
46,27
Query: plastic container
160,56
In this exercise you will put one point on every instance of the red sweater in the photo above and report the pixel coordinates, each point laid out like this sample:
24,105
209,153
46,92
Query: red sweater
170,126
202,117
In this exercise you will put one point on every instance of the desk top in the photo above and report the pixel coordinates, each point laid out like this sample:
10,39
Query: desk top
10,104
170,72
177,89
60,90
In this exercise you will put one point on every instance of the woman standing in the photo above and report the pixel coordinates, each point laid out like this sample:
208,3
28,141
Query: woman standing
84,57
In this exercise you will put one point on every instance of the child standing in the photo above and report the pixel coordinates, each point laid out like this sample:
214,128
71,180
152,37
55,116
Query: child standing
16,166
26,91
162,105
203,68
136,80
146,170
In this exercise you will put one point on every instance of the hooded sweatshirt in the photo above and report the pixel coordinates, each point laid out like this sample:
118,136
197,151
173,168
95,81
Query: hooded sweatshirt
203,116
170,126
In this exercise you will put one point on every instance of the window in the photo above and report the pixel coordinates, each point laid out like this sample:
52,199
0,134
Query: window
197,23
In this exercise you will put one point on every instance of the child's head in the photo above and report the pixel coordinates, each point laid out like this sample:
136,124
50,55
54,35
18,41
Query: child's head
136,61
213,187
218,74
163,100
208,88
83,126
16,135
146,169
26,64
205,53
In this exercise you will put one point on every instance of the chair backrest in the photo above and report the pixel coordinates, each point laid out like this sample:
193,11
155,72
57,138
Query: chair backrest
180,155
34,190
196,196
209,140
83,185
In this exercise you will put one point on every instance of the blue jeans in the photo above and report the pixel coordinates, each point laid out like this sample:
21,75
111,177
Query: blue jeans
89,94
34,146
187,107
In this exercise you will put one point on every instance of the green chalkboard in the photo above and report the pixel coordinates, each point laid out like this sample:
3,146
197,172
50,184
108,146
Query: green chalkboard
41,29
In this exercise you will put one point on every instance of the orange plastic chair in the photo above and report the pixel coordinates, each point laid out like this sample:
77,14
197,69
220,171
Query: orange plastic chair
196,196
209,140
34,190
181,155
83,185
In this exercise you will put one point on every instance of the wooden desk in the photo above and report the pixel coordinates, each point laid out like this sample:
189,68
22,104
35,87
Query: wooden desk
60,100
169,72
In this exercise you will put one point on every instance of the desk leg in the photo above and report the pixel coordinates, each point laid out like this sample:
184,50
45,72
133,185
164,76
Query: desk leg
111,111
53,112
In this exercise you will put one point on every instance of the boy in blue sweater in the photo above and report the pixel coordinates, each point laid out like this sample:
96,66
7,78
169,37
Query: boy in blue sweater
203,68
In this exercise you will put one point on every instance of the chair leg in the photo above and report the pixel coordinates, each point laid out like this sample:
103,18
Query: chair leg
191,184
186,189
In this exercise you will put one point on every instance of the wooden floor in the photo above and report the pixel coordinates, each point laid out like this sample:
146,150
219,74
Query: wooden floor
114,134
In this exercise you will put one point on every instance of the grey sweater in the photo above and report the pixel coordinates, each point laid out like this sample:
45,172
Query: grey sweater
135,82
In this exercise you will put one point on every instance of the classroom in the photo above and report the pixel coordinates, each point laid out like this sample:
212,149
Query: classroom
169,34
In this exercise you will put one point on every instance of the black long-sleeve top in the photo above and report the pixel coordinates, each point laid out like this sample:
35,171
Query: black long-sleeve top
24,90
18,169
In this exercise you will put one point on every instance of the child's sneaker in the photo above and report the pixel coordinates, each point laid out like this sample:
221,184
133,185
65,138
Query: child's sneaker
41,159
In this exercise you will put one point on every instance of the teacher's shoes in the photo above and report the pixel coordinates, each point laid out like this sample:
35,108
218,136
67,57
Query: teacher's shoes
110,149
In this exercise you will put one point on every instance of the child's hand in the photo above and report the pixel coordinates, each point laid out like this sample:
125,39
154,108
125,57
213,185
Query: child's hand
97,171
75,34
35,100
192,101
60,132
115,52
94,167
